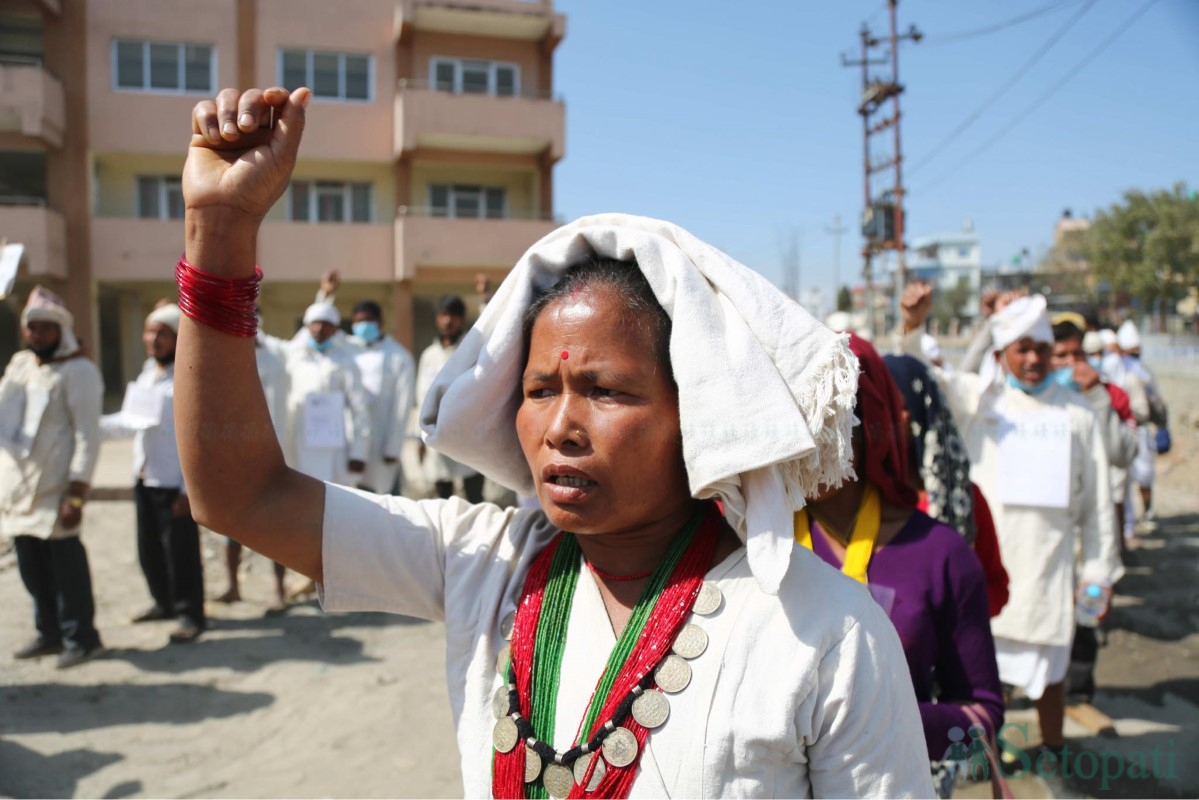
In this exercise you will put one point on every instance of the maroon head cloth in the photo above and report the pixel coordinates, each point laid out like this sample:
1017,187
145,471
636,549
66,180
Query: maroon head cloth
880,408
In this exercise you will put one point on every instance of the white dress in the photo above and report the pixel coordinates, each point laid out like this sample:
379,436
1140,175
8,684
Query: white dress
801,694
53,411
389,380
332,371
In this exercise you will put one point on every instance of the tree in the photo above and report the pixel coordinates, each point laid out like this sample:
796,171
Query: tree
1148,245
844,299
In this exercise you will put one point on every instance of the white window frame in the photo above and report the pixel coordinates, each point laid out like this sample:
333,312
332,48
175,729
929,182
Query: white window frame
146,88
452,199
161,182
341,73
347,199
491,74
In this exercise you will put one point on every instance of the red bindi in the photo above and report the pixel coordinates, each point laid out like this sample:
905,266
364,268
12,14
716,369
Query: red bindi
565,355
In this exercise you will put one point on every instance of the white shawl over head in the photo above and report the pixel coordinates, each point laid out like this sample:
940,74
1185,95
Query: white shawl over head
45,306
766,392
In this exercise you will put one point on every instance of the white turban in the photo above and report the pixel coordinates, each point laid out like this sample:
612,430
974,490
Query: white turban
1128,337
45,306
1092,343
766,392
1107,336
839,321
1024,317
322,312
167,315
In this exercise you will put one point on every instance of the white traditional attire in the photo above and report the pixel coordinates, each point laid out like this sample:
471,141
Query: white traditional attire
389,380
270,358
330,376
437,466
1037,536
797,693
50,438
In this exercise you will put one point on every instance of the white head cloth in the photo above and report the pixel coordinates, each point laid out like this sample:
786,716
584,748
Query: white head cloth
930,346
1021,318
839,321
1128,337
322,312
1107,336
1092,343
167,315
45,306
766,392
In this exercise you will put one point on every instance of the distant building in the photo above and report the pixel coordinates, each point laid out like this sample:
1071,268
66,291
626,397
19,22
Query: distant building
427,158
946,260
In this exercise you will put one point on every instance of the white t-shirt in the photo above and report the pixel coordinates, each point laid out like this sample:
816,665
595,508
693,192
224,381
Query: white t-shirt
801,694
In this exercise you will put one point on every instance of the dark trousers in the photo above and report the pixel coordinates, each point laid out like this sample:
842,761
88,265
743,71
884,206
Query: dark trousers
56,573
169,550
472,486
1084,652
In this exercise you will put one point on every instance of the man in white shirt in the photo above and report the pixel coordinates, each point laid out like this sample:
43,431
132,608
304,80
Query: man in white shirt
441,470
1142,470
1037,454
389,380
50,400
168,539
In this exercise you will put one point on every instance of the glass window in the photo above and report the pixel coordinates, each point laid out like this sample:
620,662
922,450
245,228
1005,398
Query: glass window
130,69
476,77
299,201
325,81
358,85
505,81
295,69
468,201
439,200
164,66
443,76
197,68
172,189
360,202
495,202
330,202
147,198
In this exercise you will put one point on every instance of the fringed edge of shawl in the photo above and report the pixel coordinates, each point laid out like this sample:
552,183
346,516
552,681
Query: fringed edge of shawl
827,403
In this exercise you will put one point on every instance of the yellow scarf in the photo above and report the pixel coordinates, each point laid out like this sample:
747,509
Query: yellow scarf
861,542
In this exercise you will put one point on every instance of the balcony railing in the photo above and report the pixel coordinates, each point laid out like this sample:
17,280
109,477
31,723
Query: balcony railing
443,213
435,119
425,85
34,97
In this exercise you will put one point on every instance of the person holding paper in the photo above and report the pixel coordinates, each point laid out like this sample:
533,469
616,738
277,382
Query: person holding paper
328,418
389,380
50,400
1036,451
168,539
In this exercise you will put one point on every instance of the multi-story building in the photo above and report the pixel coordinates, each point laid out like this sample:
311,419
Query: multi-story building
951,262
427,157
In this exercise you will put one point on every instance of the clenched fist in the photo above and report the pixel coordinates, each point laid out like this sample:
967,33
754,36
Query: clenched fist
915,305
243,149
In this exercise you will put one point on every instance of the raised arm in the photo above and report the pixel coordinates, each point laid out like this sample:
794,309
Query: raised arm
237,167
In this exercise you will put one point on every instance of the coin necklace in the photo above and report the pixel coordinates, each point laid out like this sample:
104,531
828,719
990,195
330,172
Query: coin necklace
635,667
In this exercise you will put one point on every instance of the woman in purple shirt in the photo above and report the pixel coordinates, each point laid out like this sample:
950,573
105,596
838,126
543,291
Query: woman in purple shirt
920,571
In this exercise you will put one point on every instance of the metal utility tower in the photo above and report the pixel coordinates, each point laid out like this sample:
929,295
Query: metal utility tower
883,212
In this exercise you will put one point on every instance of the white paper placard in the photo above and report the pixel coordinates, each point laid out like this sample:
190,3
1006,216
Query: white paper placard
370,364
1034,459
142,407
10,260
325,420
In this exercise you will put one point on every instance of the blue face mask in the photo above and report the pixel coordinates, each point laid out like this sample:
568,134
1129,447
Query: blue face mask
319,347
367,330
1033,390
1095,361
1064,376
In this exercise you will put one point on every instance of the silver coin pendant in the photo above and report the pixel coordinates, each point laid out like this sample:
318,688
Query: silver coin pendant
506,625
582,764
501,661
504,735
558,780
673,674
691,642
620,748
532,765
499,702
708,600
651,709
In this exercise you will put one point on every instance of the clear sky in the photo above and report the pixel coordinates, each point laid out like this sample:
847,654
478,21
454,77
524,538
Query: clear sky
737,121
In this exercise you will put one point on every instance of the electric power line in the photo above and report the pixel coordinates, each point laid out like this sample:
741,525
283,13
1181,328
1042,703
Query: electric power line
961,36
973,116
1077,68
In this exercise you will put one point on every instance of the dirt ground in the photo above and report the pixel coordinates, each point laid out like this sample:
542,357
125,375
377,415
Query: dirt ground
312,705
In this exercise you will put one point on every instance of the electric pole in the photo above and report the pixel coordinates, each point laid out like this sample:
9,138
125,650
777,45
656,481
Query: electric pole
883,214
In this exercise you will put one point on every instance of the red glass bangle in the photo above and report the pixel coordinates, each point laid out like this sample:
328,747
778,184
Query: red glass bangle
227,304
